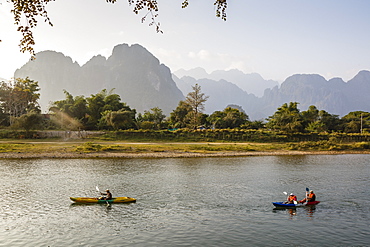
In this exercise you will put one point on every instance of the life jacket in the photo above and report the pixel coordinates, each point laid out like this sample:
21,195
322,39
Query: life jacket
292,198
311,197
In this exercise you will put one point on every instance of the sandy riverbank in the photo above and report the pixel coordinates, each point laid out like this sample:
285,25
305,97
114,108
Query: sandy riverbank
170,154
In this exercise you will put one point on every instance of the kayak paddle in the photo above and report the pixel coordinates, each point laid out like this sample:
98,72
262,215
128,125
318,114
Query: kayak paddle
97,188
307,189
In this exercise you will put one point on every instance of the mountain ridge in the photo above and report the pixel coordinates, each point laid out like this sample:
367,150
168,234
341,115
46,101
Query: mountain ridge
334,96
143,83
251,83
137,76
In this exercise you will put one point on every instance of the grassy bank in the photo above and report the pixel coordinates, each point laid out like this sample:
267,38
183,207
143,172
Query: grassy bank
103,148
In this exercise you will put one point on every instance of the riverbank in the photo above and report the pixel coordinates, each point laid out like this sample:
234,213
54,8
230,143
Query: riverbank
103,149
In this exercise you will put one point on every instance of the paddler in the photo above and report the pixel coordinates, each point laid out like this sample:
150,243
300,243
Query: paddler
291,198
311,197
107,194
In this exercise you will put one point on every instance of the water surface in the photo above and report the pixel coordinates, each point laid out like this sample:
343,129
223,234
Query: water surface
186,201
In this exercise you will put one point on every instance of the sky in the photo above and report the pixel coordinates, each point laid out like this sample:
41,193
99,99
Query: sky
275,38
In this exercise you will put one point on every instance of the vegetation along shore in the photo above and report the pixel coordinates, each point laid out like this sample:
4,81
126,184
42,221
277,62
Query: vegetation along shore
100,148
101,126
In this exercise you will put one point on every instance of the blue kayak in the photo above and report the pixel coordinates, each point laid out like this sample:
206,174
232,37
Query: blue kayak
292,205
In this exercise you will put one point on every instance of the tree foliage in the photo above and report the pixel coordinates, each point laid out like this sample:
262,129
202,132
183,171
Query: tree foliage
152,119
121,119
228,118
99,103
330,122
19,97
101,110
29,11
31,120
180,117
311,115
19,108
196,100
286,118
75,107
70,113
355,122
26,13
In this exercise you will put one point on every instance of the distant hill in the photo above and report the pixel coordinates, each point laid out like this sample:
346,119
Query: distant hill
137,76
251,83
335,96
221,94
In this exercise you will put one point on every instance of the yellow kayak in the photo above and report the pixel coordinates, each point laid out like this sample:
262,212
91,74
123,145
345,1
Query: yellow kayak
96,200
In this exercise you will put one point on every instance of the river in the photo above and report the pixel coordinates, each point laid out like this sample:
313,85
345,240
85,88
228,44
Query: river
186,201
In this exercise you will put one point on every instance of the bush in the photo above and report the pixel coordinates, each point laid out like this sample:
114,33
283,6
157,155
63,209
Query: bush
89,147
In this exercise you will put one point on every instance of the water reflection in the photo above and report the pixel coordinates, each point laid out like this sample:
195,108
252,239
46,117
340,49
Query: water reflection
292,211
308,210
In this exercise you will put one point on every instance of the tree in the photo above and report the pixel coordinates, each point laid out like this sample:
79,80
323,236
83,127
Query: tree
75,107
30,10
316,126
94,109
112,101
4,118
319,121
196,100
121,119
77,112
102,102
228,118
234,118
311,115
70,113
155,116
331,122
256,124
180,117
355,122
19,97
287,118
216,119
29,121
310,120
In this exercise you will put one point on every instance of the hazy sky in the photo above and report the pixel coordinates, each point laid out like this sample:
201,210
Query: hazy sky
275,38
